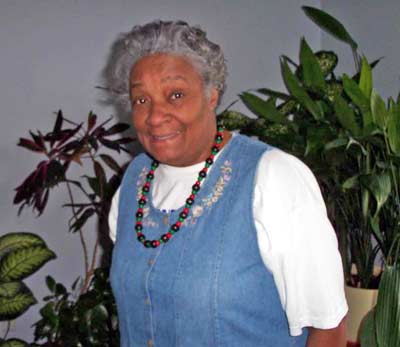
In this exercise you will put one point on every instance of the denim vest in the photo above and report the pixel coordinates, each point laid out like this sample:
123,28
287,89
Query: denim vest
208,285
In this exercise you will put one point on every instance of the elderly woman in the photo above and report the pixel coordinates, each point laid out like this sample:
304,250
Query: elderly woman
220,240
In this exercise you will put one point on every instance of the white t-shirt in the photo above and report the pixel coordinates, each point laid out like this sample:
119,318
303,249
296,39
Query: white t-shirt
296,240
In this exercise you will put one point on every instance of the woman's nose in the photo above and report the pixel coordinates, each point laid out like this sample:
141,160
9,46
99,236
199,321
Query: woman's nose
158,113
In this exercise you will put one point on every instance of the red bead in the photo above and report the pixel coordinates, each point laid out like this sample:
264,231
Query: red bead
192,196
147,184
178,223
151,172
186,210
140,210
169,235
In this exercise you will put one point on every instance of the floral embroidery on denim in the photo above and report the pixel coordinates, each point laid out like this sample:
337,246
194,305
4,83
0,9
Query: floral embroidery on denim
147,221
207,202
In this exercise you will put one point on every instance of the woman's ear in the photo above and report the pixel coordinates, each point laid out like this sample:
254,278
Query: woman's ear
213,98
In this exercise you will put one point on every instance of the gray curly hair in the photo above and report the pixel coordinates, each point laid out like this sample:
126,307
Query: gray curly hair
174,37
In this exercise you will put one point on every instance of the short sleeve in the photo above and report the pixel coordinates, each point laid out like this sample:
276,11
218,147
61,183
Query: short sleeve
113,216
297,242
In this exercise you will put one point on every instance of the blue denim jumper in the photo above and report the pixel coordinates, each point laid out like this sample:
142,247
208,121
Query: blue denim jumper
208,285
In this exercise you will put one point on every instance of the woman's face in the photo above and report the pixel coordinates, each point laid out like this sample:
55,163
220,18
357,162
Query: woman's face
173,117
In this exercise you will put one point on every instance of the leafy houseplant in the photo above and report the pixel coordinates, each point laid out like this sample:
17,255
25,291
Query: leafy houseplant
86,316
350,137
21,255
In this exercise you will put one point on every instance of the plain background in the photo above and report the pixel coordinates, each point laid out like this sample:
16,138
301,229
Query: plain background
53,51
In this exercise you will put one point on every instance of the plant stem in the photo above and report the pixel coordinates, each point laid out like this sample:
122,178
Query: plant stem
83,242
7,329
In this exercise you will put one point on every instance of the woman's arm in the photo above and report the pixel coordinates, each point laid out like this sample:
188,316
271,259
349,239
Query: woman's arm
335,337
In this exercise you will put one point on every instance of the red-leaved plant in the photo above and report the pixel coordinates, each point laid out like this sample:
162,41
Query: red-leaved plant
69,143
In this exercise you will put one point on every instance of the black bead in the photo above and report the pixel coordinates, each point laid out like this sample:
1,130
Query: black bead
141,237
202,174
218,138
196,187
139,214
150,176
142,202
146,189
138,227
183,215
147,244
215,149
154,163
174,227
209,161
189,201
165,238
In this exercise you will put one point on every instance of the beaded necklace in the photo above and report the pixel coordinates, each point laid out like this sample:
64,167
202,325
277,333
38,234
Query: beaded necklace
174,228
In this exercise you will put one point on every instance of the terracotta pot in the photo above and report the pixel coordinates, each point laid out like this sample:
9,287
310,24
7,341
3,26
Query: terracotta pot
360,302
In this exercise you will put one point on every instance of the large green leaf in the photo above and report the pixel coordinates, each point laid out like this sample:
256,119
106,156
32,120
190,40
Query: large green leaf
10,289
313,77
295,88
14,343
263,109
346,116
393,128
12,241
358,97
23,262
330,24
379,186
379,113
367,331
387,318
273,93
365,82
11,308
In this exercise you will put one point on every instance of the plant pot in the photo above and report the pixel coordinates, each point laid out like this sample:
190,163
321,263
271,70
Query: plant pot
360,302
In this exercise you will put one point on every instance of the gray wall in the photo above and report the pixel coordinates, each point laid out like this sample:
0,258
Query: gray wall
52,53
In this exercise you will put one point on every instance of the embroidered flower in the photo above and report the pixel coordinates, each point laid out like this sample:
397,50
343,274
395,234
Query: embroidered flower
208,201
197,211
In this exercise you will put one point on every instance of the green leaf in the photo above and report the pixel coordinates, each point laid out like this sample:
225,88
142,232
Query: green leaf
10,289
316,138
293,85
346,116
393,128
379,113
340,142
11,308
379,186
14,343
234,120
350,182
367,331
273,93
358,97
13,241
23,262
365,83
388,308
263,109
330,24
313,77
51,283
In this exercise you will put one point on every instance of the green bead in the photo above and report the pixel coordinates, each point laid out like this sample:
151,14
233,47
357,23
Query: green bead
207,165
141,205
200,178
144,193
181,219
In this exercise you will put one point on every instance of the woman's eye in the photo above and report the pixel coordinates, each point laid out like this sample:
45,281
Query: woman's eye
139,101
176,95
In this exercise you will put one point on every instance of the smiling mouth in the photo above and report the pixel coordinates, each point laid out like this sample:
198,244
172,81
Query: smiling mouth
164,137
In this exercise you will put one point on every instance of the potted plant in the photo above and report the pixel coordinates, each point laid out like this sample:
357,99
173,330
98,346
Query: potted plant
85,315
350,138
